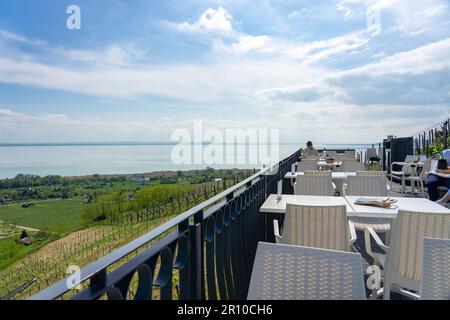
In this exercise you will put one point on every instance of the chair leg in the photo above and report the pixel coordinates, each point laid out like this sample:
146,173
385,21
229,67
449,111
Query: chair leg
403,186
422,188
387,237
387,290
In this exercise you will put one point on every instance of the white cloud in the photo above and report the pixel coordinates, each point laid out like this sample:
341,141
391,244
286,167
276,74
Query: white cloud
6,35
416,77
409,17
211,20
118,55
350,8
283,79
246,44
19,127
9,113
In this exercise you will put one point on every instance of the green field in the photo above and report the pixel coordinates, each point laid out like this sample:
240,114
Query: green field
59,216
12,250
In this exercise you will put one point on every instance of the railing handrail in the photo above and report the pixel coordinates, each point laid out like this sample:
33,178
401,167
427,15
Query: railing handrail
59,288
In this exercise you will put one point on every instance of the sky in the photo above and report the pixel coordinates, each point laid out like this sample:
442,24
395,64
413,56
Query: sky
345,71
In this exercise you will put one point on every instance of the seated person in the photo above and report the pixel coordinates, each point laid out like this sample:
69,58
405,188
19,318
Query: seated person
434,181
310,150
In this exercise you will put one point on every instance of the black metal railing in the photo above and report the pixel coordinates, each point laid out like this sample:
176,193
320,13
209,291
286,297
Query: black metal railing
434,139
209,248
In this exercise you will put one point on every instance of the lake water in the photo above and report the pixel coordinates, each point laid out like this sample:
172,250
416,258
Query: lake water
82,159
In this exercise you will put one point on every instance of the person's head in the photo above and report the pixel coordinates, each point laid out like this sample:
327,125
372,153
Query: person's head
309,144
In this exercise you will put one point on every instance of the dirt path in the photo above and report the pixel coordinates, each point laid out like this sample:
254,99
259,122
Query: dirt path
19,227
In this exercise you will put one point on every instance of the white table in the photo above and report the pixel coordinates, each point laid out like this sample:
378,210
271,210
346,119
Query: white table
334,175
443,175
322,163
272,205
409,204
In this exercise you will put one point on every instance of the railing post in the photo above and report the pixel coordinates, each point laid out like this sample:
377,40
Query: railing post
195,258
196,234
99,279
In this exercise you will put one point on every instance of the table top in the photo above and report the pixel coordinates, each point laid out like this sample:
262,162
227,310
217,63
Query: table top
324,163
443,175
412,164
334,175
272,205
408,204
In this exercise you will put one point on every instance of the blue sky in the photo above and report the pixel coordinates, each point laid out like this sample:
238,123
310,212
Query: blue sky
137,70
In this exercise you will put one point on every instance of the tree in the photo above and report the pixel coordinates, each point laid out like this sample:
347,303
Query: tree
24,234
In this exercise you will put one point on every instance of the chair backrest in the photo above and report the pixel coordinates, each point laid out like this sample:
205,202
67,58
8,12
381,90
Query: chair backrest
434,163
318,173
307,164
316,226
313,185
404,260
349,154
371,153
425,169
372,174
331,154
435,279
374,186
352,166
411,158
310,157
283,272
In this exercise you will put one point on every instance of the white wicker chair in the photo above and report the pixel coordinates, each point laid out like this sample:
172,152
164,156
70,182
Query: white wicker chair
421,178
352,166
307,164
318,173
331,154
405,170
283,272
372,174
313,185
369,186
372,155
339,157
403,262
374,186
435,279
316,226
349,154
310,157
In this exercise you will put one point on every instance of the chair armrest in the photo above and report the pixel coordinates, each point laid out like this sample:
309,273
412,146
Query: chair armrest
351,227
292,182
369,232
276,231
344,189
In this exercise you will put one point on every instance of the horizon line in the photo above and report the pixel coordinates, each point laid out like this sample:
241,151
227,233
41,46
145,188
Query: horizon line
127,143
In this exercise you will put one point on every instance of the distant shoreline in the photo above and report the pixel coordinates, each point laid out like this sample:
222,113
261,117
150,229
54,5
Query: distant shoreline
155,143
151,174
